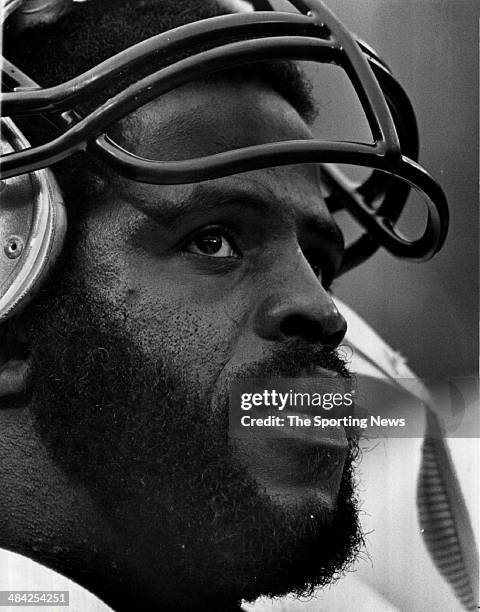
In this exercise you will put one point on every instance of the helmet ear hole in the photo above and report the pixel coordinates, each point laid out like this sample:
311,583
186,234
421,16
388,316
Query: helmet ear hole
32,228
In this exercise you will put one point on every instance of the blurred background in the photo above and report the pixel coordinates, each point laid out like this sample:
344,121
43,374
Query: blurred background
429,312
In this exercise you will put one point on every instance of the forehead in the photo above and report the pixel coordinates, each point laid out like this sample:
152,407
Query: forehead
210,117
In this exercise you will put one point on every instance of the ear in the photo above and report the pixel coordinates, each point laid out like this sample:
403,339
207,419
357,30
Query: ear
14,361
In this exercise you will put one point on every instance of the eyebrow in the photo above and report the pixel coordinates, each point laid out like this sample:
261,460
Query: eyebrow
205,199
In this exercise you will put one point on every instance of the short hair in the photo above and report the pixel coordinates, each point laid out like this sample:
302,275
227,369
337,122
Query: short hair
91,32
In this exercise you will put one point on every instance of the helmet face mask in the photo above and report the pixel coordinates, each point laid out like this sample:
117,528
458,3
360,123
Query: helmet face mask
313,34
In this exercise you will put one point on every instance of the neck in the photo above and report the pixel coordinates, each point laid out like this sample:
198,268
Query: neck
43,515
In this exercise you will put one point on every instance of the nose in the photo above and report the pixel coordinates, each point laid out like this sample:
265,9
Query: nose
300,308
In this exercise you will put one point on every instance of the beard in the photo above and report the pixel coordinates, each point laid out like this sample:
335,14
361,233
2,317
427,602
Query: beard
149,441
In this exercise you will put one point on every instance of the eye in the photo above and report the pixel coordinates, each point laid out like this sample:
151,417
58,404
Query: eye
212,243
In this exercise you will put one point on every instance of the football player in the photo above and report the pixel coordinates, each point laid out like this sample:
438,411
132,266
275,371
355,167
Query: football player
167,231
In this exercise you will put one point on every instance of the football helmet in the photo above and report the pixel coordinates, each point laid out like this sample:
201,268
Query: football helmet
32,212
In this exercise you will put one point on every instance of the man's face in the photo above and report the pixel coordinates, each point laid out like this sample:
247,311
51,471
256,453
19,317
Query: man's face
171,294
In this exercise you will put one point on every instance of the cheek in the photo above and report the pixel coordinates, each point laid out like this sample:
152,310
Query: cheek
190,322
197,339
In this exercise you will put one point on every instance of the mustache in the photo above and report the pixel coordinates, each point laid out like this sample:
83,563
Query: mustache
285,362
292,361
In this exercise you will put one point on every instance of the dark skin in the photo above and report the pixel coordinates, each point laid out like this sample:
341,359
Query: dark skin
215,280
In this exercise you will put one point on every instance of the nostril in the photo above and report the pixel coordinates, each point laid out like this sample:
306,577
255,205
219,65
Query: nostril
301,327
329,333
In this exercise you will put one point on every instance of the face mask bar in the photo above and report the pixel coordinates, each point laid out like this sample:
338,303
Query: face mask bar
317,36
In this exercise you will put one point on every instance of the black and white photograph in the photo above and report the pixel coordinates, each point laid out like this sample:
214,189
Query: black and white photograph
239,307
